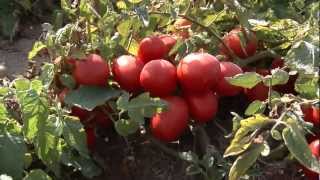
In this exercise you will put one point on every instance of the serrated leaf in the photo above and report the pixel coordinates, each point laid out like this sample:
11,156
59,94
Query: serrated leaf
12,150
242,140
37,174
126,127
278,77
245,161
37,47
246,80
255,107
298,146
89,97
75,136
67,80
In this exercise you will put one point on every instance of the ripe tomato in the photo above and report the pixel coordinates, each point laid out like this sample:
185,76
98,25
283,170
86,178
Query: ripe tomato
277,63
126,70
101,118
311,114
92,71
203,107
315,150
159,77
82,114
228,69
91,138
260,91
198,72
169,125
151,48
169,41
233,40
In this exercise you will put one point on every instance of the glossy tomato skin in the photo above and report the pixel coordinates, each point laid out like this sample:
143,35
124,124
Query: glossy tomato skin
228,69
233,40
167,126
126,71
202,106
159,78
169,41
198,72
92,71
151,48
311,114
315,150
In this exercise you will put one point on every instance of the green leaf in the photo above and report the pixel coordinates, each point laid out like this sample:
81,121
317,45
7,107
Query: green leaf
298,146
242,140
4,91
75,136
143,15
37,47
89,97
124,27
246,80
67,80
278,77
245,161
189,156
126,127
308,86
255,107
304,56
22,84
37,174
5,177
12,150
36,85
47,73
135,1
193,170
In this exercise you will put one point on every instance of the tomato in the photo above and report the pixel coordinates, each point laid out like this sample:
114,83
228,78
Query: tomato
260,91
126,70
311,114
101,118
233,40
228,69
170,124
151,48
159,77
92,71
198,72
203,106
315,150
82,114
91,138
277,63
169,41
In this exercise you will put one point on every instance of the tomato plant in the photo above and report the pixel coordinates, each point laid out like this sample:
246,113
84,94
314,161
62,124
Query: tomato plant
122,76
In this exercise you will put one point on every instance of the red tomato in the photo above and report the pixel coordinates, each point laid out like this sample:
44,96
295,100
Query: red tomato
151,48
101,118
203,107
260,91
277,63
159,77
169,125
315,150
228,69
82,114
91,138
198,72
126,70
233,40
169,41
92,71
311,114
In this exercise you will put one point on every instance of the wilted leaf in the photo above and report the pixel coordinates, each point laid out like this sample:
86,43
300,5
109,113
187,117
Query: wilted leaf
242,140
298,146
245,161
88,97
246,80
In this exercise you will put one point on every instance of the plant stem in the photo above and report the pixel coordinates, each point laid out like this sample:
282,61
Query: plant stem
257,57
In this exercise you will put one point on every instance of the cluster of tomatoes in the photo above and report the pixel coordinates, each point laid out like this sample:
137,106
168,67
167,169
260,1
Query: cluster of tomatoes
191,87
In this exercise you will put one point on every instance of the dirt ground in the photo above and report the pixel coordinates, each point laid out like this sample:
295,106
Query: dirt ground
13,55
